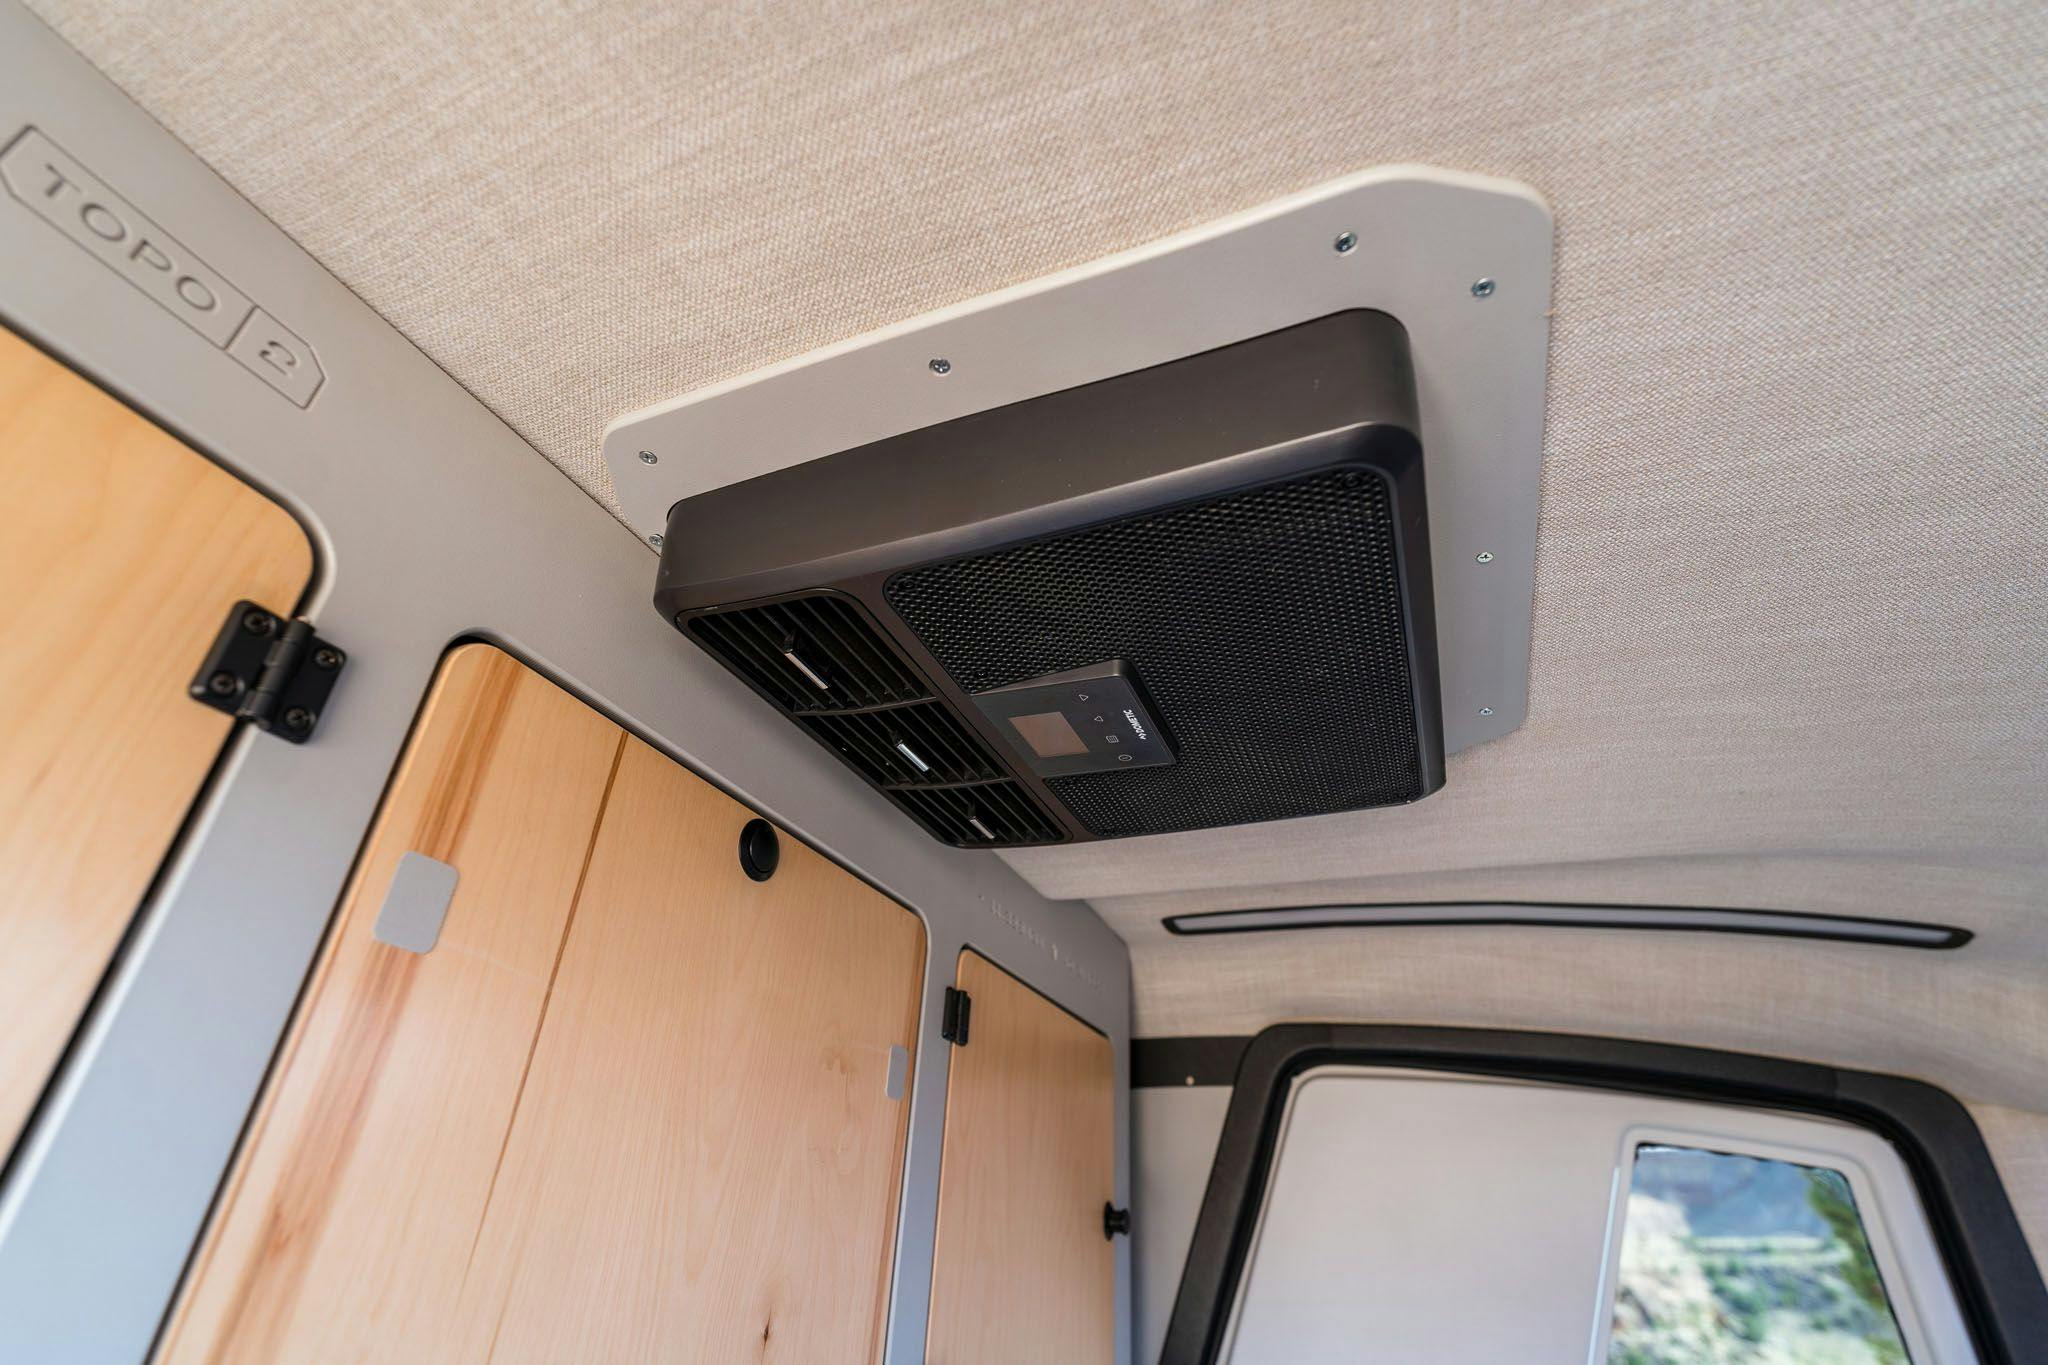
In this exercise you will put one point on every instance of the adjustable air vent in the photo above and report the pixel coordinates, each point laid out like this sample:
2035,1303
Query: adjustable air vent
991,815
810,654
818,657
919,745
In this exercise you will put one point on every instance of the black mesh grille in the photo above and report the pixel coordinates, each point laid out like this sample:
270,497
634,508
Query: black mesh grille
1266,625
847,685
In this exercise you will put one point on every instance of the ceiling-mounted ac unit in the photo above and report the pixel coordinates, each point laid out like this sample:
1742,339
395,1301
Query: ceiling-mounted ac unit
1193,595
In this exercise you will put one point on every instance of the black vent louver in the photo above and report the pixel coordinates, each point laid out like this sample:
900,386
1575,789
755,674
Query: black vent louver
991,814
810,654
916,745
819,658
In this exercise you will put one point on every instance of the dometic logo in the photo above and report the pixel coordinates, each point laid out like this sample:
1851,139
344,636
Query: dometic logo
78,204
1137,726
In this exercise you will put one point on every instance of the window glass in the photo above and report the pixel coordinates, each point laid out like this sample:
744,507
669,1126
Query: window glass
1739,1260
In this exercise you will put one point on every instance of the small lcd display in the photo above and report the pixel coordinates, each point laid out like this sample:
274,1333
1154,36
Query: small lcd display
1049,734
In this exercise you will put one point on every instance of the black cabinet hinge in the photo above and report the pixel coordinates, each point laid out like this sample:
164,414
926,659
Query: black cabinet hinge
271,670
953,1020
1114,1221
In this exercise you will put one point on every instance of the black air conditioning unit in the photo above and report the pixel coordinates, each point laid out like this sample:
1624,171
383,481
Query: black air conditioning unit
1190,596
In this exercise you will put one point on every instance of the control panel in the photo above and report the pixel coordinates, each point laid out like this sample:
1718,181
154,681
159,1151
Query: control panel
1086,720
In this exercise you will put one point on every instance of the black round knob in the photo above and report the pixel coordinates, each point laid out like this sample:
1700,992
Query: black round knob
1115,1220
760,850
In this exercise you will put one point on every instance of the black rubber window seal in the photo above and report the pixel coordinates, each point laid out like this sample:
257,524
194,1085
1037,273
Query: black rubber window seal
1996,1282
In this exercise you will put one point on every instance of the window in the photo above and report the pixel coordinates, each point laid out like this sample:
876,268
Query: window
1415,1217
1743,1260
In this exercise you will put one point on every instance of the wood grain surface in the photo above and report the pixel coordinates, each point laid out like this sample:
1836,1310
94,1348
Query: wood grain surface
1022,1272
121,550
630,1107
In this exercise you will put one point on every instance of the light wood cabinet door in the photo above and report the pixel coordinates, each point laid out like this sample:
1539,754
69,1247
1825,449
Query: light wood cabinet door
121,550
707,1164
630,1106
346,1229
1022,1271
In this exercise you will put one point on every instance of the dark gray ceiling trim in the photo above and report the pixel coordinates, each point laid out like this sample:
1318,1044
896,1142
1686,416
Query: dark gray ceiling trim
1894,933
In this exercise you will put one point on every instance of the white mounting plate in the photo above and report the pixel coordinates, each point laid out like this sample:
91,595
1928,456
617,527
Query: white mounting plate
1422,238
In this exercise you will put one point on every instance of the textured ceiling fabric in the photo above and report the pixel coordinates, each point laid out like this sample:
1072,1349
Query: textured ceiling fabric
1981,1033
1792,581
2019,1144
1974,1020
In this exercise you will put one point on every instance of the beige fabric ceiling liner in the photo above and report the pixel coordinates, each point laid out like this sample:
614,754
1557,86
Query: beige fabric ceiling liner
1792,582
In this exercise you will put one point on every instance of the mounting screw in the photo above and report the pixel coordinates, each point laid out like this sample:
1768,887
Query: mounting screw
1486,710
329,659
1345,242
655,541
223,684
259,622
649,457
1484,556
298,720
939,365
1483,288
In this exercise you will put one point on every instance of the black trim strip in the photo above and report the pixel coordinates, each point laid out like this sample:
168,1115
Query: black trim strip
1997,1284
1185,1061
1888,933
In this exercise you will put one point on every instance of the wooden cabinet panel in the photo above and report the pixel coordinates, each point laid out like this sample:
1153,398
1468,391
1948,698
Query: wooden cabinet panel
121,550
1022,1272
347,1228
706,1166
631,1106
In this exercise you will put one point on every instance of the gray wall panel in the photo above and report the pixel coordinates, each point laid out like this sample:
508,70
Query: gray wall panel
432,520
